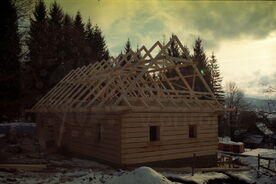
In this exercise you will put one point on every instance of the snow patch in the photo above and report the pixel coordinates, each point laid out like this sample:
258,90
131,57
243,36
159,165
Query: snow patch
140,175
263,128
263,152
200,178
227,140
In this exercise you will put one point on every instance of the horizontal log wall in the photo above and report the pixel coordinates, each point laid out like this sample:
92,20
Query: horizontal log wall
49,123
174,136
81,134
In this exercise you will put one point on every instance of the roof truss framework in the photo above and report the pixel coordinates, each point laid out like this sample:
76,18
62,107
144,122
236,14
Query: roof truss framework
137,81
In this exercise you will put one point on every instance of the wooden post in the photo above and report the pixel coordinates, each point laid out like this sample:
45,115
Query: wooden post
61,130
193,166
259,161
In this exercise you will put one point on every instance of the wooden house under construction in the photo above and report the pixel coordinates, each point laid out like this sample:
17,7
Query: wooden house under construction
144,108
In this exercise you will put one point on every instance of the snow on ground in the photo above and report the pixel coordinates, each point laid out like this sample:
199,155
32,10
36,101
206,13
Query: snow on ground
80,171
227,140
69,177
253,177
200,178
143,175
263,152
252,160
263,128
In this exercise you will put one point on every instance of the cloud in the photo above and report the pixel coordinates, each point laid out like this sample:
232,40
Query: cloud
212,21
227,20
259,83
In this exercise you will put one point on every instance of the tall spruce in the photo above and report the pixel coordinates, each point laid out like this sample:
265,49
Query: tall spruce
89,36
173,49
127,49
127,46
9,61
215,79
67,43
78,39
201,59
55,49
38,64
100,46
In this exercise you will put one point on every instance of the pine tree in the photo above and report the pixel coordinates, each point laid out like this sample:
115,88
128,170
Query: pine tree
10,69
127,49
173,50
100,46
55,38
90,42
201,59
78,38
67,43
215,79
36,70
127,46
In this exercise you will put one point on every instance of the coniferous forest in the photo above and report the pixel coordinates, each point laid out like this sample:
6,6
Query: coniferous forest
33,61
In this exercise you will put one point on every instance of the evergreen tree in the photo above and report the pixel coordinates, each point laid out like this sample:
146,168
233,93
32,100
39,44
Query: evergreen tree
173,50
10,89
78,39
200,58
37,66
127,46
67,43
90,41
55,42
100,45
215,78
127,49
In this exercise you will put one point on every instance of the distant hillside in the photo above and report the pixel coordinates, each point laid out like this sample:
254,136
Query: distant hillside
259,104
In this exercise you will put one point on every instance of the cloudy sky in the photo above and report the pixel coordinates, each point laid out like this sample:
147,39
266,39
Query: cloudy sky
241,34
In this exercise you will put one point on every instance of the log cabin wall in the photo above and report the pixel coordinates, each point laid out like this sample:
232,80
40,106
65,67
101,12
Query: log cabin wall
174,141
95,135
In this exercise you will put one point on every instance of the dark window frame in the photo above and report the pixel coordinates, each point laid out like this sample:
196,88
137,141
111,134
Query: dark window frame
99,132
192,131
154,133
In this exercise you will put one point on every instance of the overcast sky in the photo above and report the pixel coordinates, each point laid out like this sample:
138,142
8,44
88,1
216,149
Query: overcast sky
241,34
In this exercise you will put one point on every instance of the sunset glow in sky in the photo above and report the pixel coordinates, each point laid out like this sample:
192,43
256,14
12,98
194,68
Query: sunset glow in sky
241,34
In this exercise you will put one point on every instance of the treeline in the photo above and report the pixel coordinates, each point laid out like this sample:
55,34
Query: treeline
55,44
58,43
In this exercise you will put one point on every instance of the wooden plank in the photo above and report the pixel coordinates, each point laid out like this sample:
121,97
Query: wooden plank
165,133
211,169
95,149
147,123
166,130
167,142
152,148
28,167
166,138
102,156
189,114
167,157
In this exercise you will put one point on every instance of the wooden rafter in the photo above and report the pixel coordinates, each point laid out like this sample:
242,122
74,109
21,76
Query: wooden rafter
135,81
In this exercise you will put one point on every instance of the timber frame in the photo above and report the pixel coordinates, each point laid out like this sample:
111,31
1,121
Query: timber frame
136,82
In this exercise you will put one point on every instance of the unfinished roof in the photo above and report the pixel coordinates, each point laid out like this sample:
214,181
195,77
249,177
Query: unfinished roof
146,80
